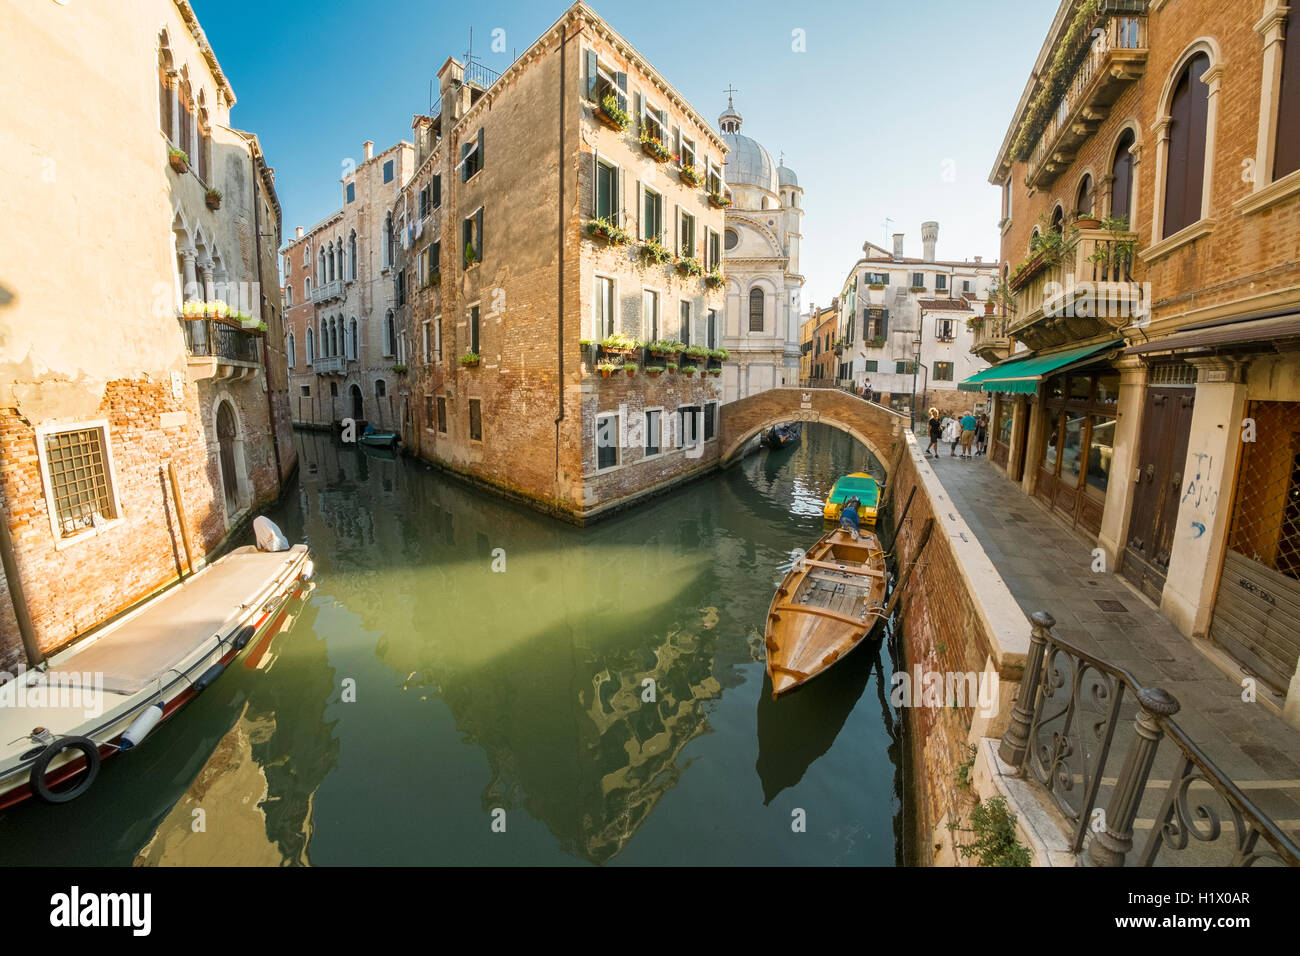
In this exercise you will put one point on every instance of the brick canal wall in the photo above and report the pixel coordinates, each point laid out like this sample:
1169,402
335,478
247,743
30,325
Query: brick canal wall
957,618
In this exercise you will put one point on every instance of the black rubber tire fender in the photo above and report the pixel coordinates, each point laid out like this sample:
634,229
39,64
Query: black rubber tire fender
42,789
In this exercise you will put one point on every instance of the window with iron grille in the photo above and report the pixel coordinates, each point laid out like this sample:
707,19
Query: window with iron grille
79,480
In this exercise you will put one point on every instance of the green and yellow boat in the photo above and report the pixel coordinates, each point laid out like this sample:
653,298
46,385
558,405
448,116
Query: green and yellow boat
860,485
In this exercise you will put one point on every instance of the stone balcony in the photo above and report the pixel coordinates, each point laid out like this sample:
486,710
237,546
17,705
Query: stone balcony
329,365
1088,292
327,291
1116,58
992,344
217,349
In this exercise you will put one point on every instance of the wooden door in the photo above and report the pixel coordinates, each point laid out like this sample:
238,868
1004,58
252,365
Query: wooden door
1162,453
226,433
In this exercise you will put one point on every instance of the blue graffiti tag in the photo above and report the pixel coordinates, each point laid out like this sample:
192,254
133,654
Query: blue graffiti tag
1198,529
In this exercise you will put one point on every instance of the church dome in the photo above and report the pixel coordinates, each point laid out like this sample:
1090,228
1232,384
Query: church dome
747,163
786,176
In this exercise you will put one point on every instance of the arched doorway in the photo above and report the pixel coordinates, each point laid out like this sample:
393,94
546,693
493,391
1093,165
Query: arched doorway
226,437
358,407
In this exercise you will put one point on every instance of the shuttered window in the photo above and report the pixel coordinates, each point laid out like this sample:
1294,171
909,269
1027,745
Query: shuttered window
756,310
1121,201
1286,157
1185,163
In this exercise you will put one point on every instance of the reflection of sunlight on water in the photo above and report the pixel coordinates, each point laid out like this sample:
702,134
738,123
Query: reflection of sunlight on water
807,497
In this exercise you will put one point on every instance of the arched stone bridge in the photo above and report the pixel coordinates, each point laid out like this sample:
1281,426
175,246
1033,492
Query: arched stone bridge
877,427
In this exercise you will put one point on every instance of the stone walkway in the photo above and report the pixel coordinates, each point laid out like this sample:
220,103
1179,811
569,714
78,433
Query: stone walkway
1047,567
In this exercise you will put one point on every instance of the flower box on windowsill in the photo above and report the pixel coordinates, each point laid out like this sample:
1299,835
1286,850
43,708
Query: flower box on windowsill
691,176
653,252
179,160
719,201
469,360
612,115
655,148
688,266
715,279
602,228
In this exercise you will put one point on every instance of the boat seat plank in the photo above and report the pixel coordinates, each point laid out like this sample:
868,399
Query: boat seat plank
823,612
847,569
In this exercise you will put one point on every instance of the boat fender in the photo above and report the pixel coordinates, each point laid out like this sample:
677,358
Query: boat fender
245,635
87,748
141,726
209,675
308,568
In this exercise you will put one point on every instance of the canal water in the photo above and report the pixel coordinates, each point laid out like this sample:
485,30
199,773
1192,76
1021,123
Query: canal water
465,665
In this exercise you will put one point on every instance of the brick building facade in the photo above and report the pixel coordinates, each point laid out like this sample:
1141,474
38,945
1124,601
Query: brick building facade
509,293
1152,173
126,366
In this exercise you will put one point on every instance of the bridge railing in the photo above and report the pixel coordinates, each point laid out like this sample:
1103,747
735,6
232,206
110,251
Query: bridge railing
1077,716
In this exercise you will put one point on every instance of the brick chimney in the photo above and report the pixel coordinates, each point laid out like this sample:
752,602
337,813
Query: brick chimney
929,237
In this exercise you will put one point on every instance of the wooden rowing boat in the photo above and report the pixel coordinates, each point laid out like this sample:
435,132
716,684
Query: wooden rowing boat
831,599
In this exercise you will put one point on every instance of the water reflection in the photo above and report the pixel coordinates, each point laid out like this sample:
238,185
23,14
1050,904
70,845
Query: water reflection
599,687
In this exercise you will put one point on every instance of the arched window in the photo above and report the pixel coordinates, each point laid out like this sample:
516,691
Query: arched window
756,303
1058,219
320,268
1185,156
288,297
311,347
388,240
352,258
352,339
1121,168
330,262
185,116
291,348
381,388
204,130
1083,200
1286,154
390,334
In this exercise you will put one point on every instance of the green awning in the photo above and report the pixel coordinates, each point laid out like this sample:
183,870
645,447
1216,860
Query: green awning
1022,376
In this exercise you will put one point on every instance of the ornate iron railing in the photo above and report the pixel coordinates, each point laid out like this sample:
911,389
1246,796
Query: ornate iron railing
209,337
1077,715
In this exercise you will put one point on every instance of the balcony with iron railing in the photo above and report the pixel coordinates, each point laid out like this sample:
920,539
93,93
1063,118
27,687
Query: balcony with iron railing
1084,290
1115,58
218,349
327,290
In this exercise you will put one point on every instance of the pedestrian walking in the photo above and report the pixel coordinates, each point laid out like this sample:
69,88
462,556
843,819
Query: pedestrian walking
936,432
967,435
952,435
869,392
981,434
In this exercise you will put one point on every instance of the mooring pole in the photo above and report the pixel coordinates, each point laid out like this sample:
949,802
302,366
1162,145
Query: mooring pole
180,515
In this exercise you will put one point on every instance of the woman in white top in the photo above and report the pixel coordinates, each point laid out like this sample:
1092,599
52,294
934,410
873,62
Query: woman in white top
952,434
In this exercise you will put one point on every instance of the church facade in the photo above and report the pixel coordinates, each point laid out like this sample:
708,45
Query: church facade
761,261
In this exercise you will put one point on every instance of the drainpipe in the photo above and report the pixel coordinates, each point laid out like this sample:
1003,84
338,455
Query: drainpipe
32,649
559,290
261,310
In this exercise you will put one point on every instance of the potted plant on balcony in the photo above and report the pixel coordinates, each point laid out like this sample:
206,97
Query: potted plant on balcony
691,175
688,370
611,114
618,344
1087,221
606,369
719,355
630,368
654,252
671,367
975,323
179,159
715,372
654,147
718,199
878,342
399,369
213,198
695,353
665,348
688,266
602,228
194,309
654,371
471,256
469,360
714,279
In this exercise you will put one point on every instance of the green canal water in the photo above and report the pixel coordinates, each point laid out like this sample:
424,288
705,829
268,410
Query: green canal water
418,695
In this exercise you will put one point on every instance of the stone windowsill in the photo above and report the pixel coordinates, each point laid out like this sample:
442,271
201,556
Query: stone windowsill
1268,196
1183,237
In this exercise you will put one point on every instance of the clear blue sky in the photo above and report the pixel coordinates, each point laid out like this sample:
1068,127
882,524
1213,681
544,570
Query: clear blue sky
893,110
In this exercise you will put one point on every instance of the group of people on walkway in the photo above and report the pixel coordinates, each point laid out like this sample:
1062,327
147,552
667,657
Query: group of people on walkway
971,431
